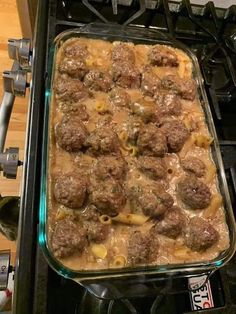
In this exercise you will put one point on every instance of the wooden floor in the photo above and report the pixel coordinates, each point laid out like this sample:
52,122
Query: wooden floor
10,28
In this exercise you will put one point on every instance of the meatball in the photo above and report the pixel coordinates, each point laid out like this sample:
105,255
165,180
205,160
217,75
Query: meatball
71,133
146,110
194,193
172,224
150,82
110,167
118,97
176,134
74,68
103,140
71,90
68,237
76,50
96,231
98,81
168,103
200,234
184,88
151,141
70,189
163,56
122,52
194,166
141,249
153,167
126,75
108,196
74,108
152,199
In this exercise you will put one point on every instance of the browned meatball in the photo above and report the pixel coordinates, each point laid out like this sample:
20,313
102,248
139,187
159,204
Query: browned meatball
96,231
71,133
146,110
151,141
98,81
142,248
163,56
74,108
150,82
153,167
152,199
195,166
176,134
103,140
194,193
70,189
123,52
72,67
110,167
76,50
118,97
108,196
70,90
68,238
168,103
172,224
200,234
126,75
185,88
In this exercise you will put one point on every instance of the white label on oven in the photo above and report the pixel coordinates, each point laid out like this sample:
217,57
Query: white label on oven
201,298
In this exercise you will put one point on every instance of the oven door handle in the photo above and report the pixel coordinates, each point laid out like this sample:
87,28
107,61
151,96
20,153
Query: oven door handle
15,83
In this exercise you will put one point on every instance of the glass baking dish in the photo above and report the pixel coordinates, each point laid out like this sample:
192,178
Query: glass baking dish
112,32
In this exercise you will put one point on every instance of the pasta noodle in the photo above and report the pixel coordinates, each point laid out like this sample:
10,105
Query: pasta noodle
186,147
119,261
203,140
105,219
131,219
211,171
62,213
215,204
182,252
99,250
101,107
134,151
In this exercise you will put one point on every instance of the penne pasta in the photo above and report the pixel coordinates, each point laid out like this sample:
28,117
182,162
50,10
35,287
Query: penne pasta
203,140
105,219
134,151
211,172
123,136
187,146
182,252
215,204
62,213
131,219
99,250
119,261
101,107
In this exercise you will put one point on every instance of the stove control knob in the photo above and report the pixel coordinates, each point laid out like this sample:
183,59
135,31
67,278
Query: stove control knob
4,268
15,82
19,50
9,162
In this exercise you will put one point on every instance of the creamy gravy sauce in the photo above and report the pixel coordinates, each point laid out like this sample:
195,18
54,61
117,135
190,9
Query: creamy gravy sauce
60,161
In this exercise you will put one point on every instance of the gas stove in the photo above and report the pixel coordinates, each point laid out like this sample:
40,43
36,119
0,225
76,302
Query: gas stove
211,34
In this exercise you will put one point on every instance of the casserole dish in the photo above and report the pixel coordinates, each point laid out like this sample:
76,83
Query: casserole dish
146,37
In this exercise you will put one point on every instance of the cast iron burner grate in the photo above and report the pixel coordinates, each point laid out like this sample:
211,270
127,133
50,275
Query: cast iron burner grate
211,33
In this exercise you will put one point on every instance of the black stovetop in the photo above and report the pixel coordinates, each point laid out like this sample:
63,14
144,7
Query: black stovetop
211,34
